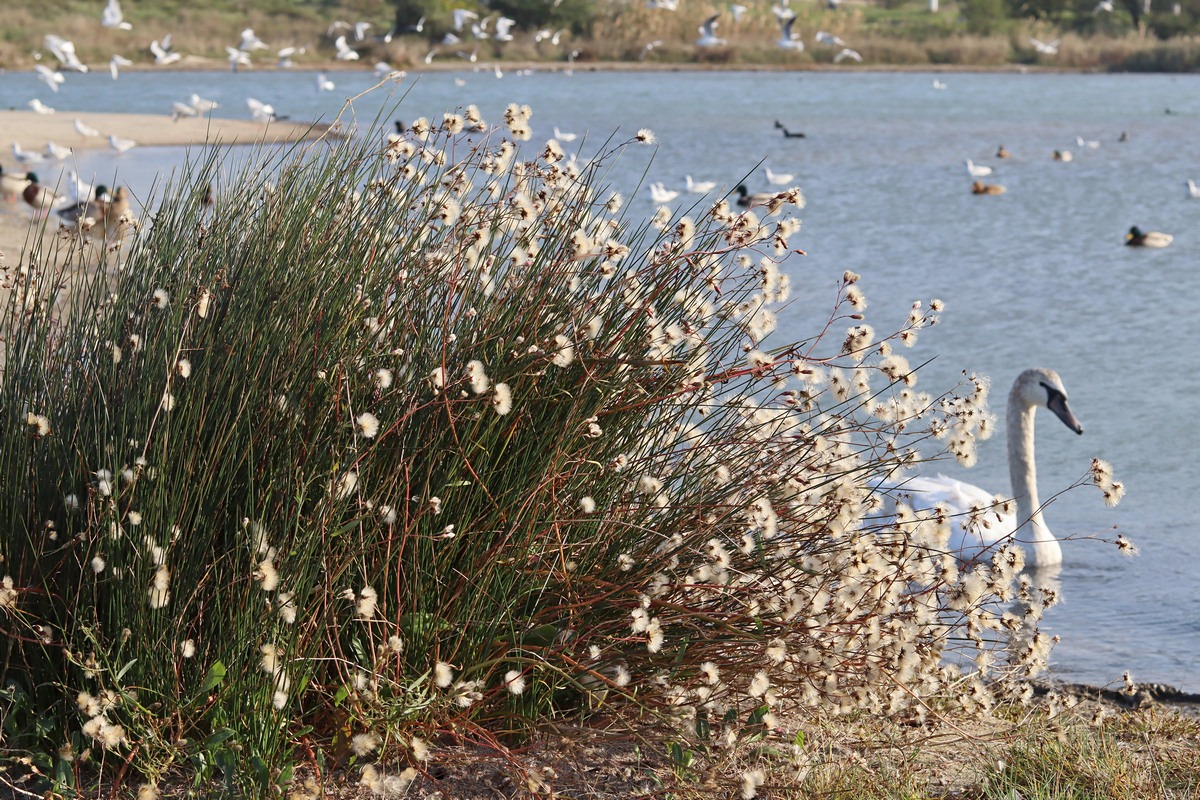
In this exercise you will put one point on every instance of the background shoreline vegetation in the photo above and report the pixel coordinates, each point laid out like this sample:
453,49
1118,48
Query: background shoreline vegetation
426,443
1135,35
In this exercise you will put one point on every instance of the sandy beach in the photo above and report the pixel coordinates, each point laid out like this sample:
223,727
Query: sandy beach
33,131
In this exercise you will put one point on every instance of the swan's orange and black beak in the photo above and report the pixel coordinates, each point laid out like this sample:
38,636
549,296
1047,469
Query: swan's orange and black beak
1057,402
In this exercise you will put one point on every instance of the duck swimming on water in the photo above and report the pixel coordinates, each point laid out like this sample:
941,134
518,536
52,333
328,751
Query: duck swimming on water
979,187
1139,238
745,198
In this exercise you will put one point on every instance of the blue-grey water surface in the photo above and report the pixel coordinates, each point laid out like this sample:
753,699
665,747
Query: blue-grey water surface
1036,277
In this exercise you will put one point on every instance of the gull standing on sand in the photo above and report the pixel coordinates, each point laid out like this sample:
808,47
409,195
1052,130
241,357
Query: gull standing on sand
180,110
50,77
113,18
262,112
85,130
200,104
116,62
79,190
121,145
57,151
26,156
708,33
40,108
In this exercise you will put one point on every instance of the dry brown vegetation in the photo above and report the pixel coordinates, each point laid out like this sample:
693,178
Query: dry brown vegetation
620,34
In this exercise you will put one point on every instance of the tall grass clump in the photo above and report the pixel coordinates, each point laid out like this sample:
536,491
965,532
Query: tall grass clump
432,438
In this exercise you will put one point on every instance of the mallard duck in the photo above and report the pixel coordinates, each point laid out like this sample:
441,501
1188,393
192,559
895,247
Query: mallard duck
1140,238
118,204
12,184
94,208
745,198
1002,152
38,197
979,187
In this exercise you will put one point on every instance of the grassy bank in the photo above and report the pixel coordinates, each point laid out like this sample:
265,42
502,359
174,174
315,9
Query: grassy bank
892,35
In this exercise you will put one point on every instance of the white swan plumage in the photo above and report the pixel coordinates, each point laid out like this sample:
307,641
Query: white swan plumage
1032,389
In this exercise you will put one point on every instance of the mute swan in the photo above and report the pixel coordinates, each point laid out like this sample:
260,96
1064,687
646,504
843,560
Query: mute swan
1033,388
121,145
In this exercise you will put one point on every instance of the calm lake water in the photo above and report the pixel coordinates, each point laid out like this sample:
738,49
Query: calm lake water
1036,277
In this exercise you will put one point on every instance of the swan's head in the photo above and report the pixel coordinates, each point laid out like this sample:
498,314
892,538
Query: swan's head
1042,387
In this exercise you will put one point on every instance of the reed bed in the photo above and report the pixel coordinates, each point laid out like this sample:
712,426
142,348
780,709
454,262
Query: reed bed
431,441
904,34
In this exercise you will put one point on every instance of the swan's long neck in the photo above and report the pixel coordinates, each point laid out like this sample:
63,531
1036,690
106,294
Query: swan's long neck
1033,533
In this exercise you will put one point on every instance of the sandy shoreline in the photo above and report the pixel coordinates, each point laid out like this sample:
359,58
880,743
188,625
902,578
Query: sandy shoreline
33,130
